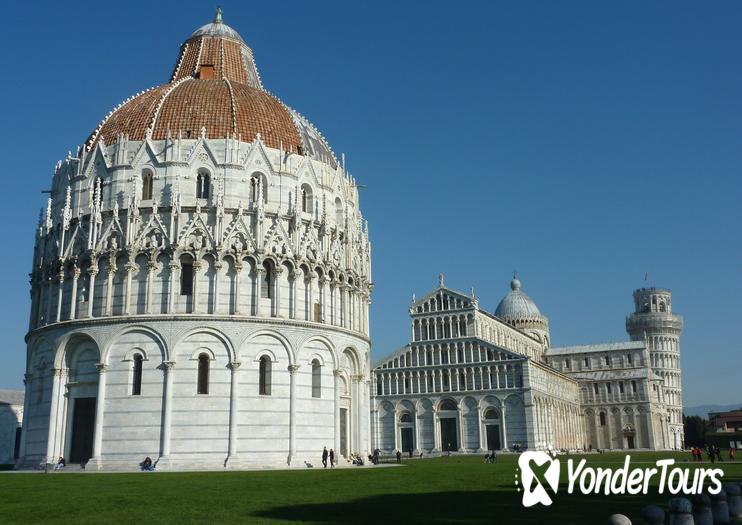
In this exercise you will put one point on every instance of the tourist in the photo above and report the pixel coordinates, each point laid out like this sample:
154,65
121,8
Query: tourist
711,453
61,463
493,457
731,453
324,457
399,457
421,455
147,465
332,458
487,457
718,454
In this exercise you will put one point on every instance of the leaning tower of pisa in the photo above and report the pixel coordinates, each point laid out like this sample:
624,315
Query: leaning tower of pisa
654,321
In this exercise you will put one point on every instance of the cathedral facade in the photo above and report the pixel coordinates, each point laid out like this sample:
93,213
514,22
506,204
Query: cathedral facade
473,381
201,281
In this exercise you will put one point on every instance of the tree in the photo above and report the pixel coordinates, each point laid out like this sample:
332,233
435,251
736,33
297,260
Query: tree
695,430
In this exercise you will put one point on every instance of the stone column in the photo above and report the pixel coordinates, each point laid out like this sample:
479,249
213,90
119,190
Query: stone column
237,293
100,404
436,431
259,271
55,414
417,432
337,375
28,383
92,271
167,368
218,265
151,269
60,293
293,369
233,411
504,428
293,276
462,442
276,302
482,431
129,267
73,299
396,431
173,292
197,265
108,307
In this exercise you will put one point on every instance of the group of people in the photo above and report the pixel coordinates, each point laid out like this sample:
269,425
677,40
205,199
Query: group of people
326,455
713,452
490,457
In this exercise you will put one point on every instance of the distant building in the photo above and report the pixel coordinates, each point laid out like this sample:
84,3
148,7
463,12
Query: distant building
11,421
725,429
473,381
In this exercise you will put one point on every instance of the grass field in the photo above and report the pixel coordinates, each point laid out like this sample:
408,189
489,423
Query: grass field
456,490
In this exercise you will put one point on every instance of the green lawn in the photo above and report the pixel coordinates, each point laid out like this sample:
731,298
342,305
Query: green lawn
443,490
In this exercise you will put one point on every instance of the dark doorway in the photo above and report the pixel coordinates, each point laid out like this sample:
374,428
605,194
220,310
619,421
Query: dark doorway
493,437
407,441
448,434
83,430
630,442
17,447
344,432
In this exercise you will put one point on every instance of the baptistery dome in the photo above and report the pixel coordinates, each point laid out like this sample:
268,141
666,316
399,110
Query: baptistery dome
215,86
201,281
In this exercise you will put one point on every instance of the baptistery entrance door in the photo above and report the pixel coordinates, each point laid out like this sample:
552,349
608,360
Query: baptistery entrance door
83,429
407,439
449,440
493,437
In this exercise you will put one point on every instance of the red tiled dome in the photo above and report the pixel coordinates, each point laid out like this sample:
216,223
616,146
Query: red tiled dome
214,85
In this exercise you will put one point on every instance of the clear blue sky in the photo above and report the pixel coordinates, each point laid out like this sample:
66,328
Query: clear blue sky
581,143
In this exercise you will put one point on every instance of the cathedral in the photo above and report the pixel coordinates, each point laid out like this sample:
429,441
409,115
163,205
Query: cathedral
200,284
474,381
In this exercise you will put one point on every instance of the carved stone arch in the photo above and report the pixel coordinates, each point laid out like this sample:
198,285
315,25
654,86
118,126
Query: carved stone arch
116,336
218,334
446,400
328,344
62,343
42,348
288,348
353,358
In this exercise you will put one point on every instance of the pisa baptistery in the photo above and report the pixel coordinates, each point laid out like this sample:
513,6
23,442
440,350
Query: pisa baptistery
200,284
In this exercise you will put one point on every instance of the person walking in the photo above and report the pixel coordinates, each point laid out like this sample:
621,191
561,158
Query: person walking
399,457
324,457
731,453
332,458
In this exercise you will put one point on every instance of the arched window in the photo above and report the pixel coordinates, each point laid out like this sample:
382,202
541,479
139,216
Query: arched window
264,380
99,183
602,419
203,374
339,215
146,185
406,418
316,379
186,277
491,414
136,380
448,405
203,183
258,184
266,290
307,204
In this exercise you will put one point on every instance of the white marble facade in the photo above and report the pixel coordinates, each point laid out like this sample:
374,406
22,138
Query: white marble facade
201,298
11,422
473,381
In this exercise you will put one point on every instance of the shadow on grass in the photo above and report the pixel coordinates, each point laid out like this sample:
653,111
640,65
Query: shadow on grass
461,507
437,507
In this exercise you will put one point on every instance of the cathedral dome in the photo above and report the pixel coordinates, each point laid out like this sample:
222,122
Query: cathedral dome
516,304
214,88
